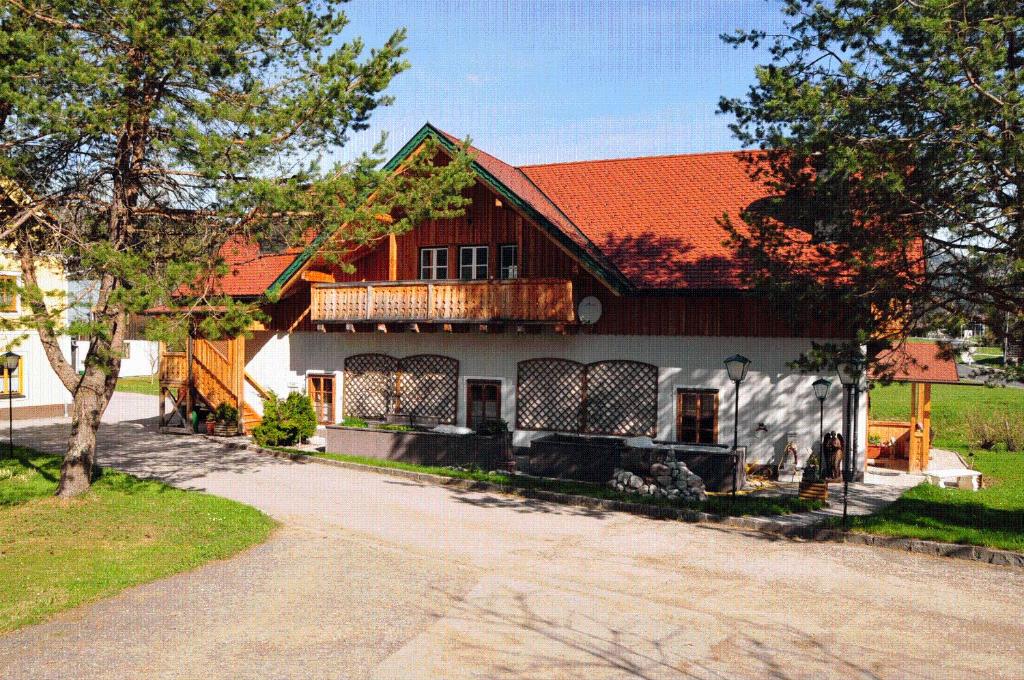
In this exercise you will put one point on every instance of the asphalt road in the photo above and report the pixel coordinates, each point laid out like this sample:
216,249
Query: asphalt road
377,577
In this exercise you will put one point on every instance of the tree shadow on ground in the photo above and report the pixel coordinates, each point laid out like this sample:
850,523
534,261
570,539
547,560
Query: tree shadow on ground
147,454
542,639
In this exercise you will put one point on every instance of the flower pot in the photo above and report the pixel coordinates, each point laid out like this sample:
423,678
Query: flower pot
210,426
225,429
875,450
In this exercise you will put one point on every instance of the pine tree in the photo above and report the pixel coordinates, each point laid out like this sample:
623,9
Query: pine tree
144,135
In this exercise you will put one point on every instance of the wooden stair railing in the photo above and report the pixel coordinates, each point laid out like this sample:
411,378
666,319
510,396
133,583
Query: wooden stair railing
220,379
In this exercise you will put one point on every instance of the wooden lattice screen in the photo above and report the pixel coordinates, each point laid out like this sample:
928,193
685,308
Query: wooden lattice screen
621,398
428,385
369,388
549,395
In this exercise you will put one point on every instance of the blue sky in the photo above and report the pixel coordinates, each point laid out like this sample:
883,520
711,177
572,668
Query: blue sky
558,80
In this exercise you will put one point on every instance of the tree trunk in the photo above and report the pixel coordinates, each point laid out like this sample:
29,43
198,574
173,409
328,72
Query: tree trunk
86,410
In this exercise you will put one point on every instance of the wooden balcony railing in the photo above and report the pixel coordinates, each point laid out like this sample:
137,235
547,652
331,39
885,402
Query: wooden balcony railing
173,368
519,301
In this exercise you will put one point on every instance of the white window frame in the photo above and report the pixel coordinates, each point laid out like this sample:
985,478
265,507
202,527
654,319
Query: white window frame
430,271
513,269
475,265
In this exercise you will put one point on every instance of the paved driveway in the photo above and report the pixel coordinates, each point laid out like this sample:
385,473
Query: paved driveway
378,577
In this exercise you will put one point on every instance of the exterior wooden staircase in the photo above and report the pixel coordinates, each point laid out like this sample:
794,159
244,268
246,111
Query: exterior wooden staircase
212,372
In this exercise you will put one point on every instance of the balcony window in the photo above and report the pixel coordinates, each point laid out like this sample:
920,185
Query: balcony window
473,263
509,262
433,263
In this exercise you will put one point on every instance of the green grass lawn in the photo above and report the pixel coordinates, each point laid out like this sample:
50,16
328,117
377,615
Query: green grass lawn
145,384
56,554
993,516
717,504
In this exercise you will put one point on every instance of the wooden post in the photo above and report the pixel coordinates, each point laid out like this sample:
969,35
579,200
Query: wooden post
392,257
920,426
236,355
188,381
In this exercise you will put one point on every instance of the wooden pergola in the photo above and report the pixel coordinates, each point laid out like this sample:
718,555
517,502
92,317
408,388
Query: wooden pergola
921,364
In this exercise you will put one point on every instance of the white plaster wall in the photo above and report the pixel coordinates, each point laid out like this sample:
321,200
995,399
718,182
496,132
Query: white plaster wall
772,393
41,386
142,359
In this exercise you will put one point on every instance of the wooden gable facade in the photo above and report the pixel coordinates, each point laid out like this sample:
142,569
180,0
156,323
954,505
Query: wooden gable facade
552,282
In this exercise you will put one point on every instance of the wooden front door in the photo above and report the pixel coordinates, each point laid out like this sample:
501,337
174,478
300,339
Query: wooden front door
483,402
321,392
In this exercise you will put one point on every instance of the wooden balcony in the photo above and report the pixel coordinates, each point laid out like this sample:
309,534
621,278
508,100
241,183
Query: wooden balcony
523,301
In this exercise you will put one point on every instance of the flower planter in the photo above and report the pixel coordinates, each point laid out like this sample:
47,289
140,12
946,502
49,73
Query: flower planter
210,426
420,447
225,429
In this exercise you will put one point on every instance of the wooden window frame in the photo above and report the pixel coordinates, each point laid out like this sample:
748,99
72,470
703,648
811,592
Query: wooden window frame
334,396
702,394
502,267
5,380
433,267
11,306
475,265
470,382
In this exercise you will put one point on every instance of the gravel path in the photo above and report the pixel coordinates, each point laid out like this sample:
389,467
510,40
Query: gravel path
377,577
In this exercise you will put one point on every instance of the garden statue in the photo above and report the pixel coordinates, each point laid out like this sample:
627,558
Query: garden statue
832,447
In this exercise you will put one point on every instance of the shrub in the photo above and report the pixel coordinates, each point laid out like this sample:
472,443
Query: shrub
988,429
226,413
285,422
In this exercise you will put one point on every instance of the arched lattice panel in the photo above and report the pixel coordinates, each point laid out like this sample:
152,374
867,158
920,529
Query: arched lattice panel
622,398
549,395
369,388
428,385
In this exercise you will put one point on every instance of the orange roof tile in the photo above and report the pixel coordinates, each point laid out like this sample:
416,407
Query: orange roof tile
657,218
924,362
251,271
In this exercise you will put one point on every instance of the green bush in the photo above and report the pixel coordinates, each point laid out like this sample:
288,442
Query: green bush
285,422
226,413
353,421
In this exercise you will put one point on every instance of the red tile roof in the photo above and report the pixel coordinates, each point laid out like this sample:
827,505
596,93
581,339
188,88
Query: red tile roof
252,271
657,218
924,362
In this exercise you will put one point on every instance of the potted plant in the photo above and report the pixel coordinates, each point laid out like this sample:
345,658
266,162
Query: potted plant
226,417
875,446
211,422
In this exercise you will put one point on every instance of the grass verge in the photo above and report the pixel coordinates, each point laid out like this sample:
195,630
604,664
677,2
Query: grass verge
56,554
993,516
143,384
716,504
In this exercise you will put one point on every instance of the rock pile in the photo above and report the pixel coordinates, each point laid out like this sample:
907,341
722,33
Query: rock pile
670,479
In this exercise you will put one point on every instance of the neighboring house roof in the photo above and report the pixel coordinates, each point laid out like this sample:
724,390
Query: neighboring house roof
923,362
251,271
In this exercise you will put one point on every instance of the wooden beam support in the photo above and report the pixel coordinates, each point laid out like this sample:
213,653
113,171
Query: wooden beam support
317,277
392,257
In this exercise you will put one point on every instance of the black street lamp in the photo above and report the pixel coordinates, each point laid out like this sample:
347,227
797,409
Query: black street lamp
11,363
821,387
736,366
850,374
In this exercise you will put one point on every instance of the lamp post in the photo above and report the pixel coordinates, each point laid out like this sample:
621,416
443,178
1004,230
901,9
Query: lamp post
11,363
850,373
736,366
821,387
